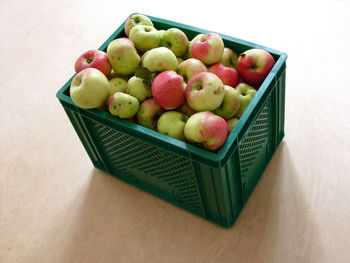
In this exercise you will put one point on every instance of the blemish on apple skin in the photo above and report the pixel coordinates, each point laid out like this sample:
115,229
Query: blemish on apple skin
217,92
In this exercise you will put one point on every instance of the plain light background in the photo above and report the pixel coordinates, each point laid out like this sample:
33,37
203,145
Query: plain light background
55,207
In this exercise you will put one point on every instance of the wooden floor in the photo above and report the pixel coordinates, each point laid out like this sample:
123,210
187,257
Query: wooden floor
55,207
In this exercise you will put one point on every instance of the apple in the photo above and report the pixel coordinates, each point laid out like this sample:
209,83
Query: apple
161,33
208,48
89,88
149,113
207,129
229,58
230,104
254,65
190,67
122,55
186,109
160,59
145,37
137,88
205,92
176,40
136,19
231,123
228,76
93,59
117,84
246,93
179,60
169,90
143,57
172,123
123,105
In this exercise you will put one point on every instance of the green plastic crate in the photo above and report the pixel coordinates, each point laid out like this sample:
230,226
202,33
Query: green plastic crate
215,186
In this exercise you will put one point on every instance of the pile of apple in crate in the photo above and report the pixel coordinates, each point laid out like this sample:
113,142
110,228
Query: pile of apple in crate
194,90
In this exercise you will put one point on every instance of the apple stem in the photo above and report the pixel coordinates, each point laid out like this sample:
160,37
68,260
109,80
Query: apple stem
242,55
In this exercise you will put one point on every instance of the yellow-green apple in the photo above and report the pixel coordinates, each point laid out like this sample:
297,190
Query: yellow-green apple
229,58
160,59
169,90
207,129
231,123
208,48
136,19
176,40
190,67
254,65
149,113
117,84
161,32
145,37
230,104
93,59
89,88
172,123
186,109
122,55
228,76
123,105
137,88
205,92
143,57
246,93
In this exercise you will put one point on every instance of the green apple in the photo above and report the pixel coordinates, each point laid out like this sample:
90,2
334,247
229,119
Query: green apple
230,104
231,123
190,67
137,88
205,92
172,123
247,93
117,84
123,56
229,58
149,113
123,105
176,40
179,60
206,129
136,19
161,32
160,59
145,37
89,88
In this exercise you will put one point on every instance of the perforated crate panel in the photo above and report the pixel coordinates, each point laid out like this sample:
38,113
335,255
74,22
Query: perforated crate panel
163,173
255,149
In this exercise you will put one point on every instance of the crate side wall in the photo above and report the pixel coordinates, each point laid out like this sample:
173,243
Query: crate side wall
261,140
221,191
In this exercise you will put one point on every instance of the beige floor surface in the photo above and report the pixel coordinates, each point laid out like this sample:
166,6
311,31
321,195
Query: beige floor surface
55,207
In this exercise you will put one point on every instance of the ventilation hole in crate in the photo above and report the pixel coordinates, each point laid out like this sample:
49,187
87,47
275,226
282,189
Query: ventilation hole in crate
257,137
130,157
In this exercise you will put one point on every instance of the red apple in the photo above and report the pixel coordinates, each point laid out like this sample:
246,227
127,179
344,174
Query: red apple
186,109
149,113
169,90
228,76
93,59
254,65
207,129
208,48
